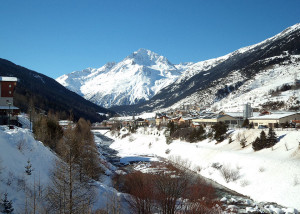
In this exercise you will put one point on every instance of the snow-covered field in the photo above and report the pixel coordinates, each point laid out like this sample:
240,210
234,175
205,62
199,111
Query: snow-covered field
271,175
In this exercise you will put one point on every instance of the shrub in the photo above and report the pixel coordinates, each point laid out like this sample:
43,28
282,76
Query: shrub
189,134
244,183
230,174
131,138
241,138
216,165
169,140
261,169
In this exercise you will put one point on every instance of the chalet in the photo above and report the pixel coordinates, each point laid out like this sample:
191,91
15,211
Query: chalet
270,120
141,122
162,120
151,122
185,121
8,112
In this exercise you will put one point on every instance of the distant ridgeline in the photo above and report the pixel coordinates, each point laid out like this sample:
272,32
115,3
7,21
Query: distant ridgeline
230,75
47,94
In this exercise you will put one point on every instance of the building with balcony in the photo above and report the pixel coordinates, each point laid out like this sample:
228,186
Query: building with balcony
8,112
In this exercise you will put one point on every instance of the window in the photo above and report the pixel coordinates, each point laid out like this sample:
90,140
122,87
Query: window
9,92
9,85
255,124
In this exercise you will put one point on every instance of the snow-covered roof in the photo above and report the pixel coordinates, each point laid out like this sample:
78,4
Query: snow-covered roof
8,107
65,122
273,116
187,118
235,114
240,114
8,79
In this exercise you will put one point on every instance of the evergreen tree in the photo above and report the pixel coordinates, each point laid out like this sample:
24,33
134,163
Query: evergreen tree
171,127
220,130
263,139
260,142
272,138
6,205
193,136
251,125
246,123
28,168
256,145
200,133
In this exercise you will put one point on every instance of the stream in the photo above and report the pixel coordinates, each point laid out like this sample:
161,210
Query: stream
232,201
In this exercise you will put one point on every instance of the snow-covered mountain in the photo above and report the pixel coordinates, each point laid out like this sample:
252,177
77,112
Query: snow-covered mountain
270,65
138,77
245,75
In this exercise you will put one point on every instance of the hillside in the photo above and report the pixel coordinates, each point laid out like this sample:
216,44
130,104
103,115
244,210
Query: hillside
231,77
47,94
24,190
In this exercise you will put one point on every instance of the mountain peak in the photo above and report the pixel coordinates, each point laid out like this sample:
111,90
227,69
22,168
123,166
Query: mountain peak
146,57
143,51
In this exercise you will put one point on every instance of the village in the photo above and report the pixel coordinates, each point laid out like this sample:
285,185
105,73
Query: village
191,116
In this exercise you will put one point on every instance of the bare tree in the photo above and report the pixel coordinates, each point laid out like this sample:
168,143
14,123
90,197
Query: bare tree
170,186
66,193
141,187
70,191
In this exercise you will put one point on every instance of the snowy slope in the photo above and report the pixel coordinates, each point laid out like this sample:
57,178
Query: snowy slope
17,146
266,175
254,90
138,77
245,75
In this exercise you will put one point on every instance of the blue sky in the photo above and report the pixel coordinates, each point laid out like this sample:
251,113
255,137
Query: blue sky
55,37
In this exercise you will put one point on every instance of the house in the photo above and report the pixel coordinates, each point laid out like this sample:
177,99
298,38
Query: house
270,120
161,120
210,120
185,121
151,122
8,112
141,122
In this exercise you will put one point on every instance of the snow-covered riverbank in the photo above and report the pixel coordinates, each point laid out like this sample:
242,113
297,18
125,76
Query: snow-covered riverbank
268,175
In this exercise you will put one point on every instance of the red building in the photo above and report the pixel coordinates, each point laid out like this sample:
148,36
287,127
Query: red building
8,112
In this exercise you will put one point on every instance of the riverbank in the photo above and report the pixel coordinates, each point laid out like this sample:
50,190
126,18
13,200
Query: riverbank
267,175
